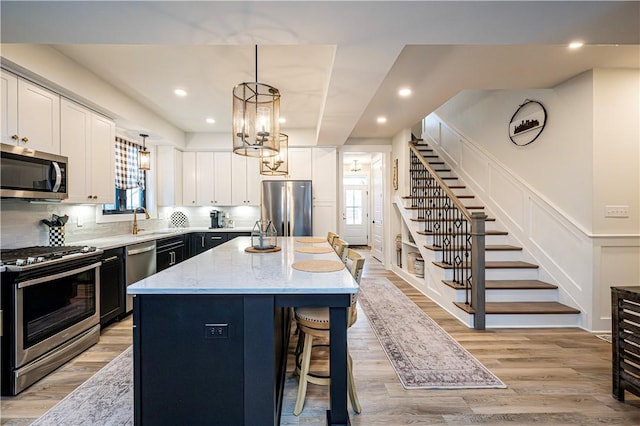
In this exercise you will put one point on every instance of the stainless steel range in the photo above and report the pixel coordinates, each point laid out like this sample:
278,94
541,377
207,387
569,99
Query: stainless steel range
50,310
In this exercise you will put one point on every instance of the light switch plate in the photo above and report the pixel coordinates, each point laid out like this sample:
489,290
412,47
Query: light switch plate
616,211
79,221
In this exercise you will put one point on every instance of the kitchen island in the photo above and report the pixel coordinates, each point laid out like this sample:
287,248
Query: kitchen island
211,335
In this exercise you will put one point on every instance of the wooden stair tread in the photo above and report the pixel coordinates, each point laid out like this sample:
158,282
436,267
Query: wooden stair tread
488,219
418,197
490,247
521,308
489,232
434,197
431,178
508,285
505,264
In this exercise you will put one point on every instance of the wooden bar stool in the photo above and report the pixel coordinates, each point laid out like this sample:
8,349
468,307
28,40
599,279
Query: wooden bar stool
340,246
331,236
314,324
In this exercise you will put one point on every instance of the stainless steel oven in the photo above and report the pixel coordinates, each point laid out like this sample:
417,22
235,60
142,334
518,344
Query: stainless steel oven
50,314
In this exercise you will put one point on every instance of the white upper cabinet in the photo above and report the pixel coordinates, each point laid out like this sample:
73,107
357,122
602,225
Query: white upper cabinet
9,108
88,143
101,160
204,179
324,174
169,176
222,178
189,178
245,181
30,115
299,165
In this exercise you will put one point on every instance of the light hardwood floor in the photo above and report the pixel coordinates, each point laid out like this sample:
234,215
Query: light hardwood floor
553,377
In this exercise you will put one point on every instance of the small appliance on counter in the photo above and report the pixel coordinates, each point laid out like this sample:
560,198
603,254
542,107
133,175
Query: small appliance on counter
216,219
228,222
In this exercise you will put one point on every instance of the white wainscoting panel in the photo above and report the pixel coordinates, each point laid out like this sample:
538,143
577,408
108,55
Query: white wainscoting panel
619,267
450,146
508,196
474,166
567,251
431,128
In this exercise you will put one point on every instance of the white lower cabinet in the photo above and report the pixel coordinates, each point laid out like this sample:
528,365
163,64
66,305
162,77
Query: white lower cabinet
88,143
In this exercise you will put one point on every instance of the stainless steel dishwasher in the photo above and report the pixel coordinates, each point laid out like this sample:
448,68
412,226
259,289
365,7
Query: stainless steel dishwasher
141,262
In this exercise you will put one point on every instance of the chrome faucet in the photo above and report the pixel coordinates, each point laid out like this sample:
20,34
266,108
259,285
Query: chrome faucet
135,219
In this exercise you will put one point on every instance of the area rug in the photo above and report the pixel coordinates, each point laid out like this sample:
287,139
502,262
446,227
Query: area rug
606,337
423,355
105,399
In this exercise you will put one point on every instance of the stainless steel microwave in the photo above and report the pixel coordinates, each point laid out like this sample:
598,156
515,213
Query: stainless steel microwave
26,173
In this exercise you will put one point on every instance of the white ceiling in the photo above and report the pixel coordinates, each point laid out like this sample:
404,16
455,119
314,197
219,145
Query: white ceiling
338,65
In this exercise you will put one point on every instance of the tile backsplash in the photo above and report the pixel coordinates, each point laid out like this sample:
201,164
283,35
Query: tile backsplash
21,226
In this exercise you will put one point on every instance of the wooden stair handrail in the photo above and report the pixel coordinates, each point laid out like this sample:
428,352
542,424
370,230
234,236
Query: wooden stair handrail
452,196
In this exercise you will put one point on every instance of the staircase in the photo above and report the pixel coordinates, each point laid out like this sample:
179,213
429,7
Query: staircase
513,295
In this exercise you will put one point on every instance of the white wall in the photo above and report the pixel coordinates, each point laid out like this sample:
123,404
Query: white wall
616,149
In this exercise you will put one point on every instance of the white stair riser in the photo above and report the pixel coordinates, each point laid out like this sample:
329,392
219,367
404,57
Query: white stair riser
502,274
532,320
489,240
490,255
514,295
502,255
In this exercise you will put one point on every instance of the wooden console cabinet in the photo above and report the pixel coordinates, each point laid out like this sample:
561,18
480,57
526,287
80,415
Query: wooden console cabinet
625,328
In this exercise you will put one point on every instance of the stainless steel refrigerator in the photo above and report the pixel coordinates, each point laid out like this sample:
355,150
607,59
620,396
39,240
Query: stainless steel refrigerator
287,204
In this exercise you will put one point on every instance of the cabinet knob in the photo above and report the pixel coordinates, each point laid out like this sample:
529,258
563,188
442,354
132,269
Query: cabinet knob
25,139
14,137
89,197
95,197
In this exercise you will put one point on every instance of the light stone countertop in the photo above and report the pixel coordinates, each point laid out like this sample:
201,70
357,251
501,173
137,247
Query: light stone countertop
228,269
122,240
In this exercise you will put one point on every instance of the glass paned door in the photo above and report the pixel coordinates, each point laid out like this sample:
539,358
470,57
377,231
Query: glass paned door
355,215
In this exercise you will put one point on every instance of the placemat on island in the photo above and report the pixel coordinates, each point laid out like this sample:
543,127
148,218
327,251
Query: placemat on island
314,249
252,249
311,240
318,265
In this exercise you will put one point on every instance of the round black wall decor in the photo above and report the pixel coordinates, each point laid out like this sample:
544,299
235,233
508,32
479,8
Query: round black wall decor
527,122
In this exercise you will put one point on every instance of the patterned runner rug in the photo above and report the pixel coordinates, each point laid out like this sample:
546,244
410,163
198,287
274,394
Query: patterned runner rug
105,399
422,353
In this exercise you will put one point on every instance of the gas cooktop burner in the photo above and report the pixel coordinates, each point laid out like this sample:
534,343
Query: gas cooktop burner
40,254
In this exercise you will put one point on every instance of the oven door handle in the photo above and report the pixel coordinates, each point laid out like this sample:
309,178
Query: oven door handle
41,280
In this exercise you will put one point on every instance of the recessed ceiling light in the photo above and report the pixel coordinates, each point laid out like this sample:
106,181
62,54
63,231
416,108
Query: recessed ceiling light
404,92
211,120
180,92
576,45
282,120
381,120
